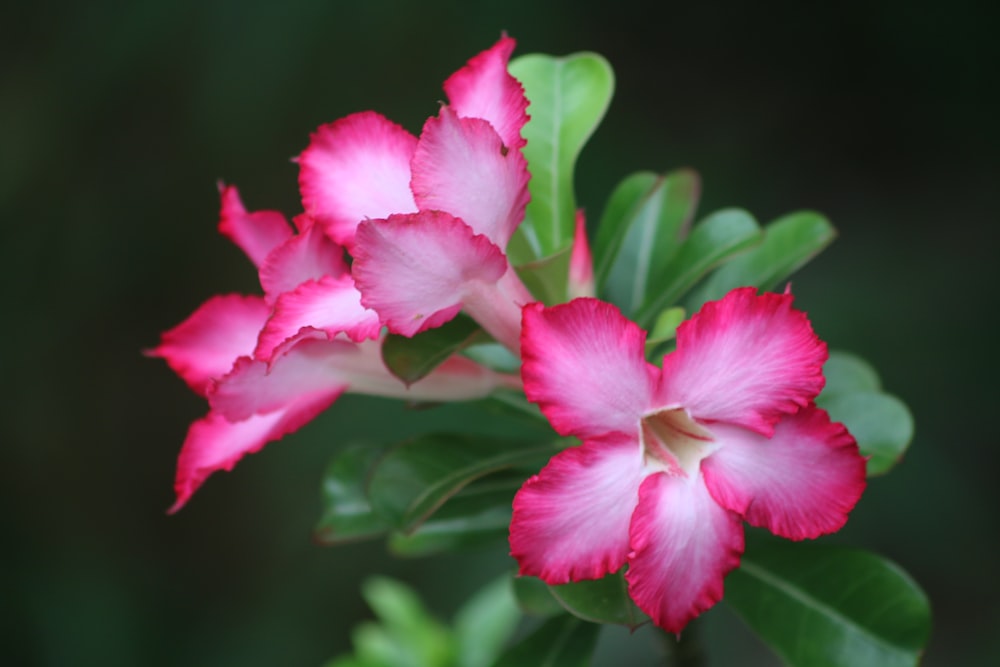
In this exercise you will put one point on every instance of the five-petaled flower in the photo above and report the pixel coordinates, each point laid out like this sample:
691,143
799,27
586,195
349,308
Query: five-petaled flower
674,459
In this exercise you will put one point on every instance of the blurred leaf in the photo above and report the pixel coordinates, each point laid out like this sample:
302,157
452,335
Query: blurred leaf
846,373
477,514
563,641
347,514
568,98
495,356
881,424
789,242
534,597
485,623
604,600
415,478
408,636
410,359
640,233
547,279
822,606
665,327
714,240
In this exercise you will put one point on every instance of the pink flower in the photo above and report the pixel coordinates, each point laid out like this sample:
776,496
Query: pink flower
673,460
427,220
270,364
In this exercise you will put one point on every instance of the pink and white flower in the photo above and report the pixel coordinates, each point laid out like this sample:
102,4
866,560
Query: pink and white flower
427,219
269,364
674,459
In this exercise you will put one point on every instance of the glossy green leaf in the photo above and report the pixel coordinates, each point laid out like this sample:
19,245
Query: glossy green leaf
822,606
415,478
603,600
714,240
881,424
478,514
847,373
568,98
410,359
788,243
485,622
535,597
665,326
347,514
563,641
641,232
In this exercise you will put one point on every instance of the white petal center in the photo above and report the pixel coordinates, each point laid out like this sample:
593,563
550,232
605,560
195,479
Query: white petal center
674,442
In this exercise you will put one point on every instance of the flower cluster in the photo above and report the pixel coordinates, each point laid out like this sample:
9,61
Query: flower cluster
673,458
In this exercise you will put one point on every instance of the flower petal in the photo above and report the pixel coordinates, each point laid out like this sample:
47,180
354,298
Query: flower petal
461,166
258,233
800,483
584,367
355,168
303,367
214,443
683,544
581,262
485,89
415,269
309,255
205,345
571,520
330,304
746,360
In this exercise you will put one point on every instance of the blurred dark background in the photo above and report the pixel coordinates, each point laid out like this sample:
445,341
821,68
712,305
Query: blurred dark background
117,118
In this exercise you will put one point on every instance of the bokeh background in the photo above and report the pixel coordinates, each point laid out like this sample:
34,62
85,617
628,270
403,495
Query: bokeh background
117,118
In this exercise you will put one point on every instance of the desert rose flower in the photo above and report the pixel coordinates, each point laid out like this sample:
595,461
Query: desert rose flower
674,459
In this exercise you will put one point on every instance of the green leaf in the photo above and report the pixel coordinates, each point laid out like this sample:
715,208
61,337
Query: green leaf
408,635
410,359
568,98
547,279
563,641
535,598
847,373
640,233
603,600
714,240
822,606
881,424
347,514
485,622
789,242
478,514
415,478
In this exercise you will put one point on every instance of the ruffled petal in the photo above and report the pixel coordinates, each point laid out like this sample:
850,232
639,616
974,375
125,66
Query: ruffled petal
747,360
329,304
305,366
683,544
461,166
583,365
414,270
214,443
310,255
800,483
205,345
258,233
355,168
485,89
571,520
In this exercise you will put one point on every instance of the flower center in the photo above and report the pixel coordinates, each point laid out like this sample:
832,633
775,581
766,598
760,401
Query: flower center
671,439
